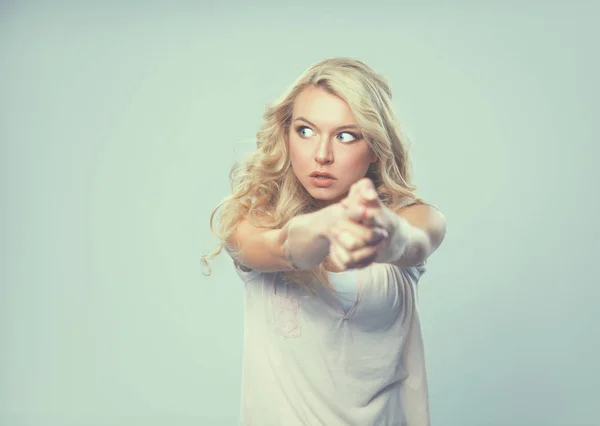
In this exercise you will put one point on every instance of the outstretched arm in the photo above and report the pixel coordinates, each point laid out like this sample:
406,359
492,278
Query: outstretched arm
415,232
302,244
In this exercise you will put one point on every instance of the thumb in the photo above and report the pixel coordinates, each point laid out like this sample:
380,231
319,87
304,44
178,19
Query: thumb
356,212
367,193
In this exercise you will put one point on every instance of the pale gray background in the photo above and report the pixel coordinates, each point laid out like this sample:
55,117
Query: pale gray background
119,125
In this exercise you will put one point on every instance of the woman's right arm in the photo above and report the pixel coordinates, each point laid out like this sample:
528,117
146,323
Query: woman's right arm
303,242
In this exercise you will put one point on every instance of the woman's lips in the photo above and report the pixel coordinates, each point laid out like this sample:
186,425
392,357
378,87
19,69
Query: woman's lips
322,181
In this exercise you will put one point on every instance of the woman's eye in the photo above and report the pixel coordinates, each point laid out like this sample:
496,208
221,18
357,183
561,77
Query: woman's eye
349,137
304,131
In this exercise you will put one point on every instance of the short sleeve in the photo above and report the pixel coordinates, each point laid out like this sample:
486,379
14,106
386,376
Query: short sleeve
416,272
405,203
245,273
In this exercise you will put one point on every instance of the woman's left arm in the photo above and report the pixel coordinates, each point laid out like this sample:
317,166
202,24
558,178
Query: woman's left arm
415,232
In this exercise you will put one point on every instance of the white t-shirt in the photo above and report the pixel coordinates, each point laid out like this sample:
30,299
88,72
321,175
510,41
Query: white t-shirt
314,360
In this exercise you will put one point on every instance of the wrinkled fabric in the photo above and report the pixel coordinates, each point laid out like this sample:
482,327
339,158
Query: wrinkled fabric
311,360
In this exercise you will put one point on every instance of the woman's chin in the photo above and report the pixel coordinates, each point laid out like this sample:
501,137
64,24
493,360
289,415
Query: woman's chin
324,198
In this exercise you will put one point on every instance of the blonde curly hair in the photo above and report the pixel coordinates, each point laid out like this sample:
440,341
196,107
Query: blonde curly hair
265,189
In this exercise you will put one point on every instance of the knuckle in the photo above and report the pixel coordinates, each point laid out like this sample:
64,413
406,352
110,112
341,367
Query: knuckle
350,245
348,241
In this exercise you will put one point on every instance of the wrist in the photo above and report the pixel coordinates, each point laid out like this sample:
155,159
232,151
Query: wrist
306,244
324,219
398,229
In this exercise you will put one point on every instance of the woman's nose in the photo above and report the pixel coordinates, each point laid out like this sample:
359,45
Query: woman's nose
324,154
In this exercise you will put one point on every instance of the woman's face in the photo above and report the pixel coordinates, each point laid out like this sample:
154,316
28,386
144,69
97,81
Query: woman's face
323,137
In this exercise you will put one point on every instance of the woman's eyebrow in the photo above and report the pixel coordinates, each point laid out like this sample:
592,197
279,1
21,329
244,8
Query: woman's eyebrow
348,126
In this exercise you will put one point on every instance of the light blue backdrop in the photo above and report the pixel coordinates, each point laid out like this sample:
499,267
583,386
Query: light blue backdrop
119,125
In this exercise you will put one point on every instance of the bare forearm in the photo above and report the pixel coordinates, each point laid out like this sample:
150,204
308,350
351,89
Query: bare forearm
304,238
407,244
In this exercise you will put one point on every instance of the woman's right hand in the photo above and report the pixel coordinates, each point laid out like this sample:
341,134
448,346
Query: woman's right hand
354,233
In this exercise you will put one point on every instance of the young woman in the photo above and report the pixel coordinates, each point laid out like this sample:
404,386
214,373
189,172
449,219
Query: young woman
329,238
